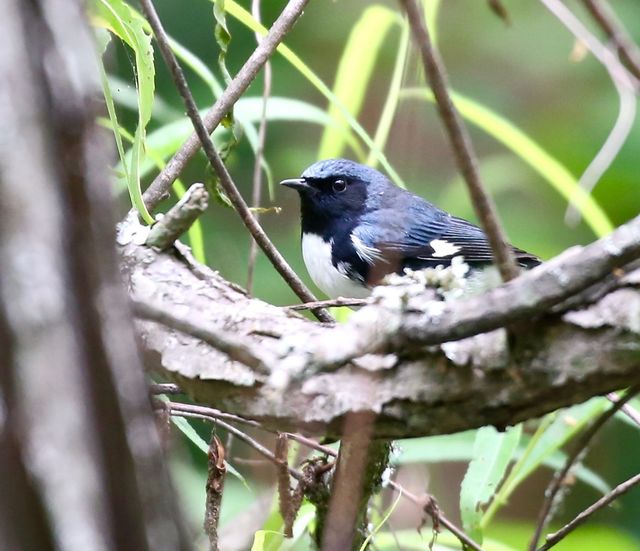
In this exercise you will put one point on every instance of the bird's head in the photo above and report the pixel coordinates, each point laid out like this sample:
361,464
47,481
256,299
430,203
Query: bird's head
337,188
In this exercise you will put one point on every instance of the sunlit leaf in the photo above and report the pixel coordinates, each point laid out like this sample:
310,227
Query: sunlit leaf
354,73
196,238
127,24
393,95
530,152
459,447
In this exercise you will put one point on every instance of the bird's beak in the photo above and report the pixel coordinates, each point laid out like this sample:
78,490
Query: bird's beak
299,184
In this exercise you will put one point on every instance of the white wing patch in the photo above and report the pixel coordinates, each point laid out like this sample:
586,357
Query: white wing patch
369,254
443,248
332,281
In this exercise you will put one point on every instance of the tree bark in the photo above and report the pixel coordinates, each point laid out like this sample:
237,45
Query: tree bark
80,458
415,390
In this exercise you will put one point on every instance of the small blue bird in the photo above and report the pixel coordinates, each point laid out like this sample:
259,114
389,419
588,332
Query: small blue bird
357,227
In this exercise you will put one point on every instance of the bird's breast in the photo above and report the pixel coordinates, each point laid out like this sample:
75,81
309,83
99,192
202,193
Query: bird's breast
331,279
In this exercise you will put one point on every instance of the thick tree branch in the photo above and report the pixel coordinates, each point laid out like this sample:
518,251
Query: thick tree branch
414,390
249,220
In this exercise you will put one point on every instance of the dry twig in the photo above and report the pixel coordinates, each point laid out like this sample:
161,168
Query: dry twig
619,490
604,16
626,87
214,487
559,478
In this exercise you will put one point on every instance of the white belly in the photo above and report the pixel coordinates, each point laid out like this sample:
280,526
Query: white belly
330,280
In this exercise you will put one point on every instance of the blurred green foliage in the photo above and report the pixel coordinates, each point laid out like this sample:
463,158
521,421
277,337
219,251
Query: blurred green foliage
346,84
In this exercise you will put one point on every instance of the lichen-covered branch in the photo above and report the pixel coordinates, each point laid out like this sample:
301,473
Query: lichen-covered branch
414,389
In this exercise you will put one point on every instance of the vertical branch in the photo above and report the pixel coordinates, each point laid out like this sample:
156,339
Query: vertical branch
287,510
78,443
360,464
463,151
262,135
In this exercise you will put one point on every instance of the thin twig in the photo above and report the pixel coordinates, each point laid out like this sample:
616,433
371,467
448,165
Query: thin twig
631,412
423,502
619,490
242,436
464,153
278,261
262,135
233,346
625,86
217,416
559,478
283,24
330,303
604,16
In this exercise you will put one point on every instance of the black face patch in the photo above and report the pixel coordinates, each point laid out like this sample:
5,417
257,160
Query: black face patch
334,206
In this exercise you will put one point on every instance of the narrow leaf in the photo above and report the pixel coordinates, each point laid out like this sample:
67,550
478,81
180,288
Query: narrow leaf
354,72
530,152
493,452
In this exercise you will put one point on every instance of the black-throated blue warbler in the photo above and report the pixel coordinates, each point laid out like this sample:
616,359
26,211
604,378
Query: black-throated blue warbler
357,227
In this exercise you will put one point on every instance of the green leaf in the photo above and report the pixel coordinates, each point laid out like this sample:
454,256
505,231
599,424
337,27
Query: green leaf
354,73
459,447
530,152
265,540
393,96
128,25
246,19
196,238
493,451
555,430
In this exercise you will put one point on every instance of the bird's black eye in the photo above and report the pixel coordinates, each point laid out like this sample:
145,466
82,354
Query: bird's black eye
339,185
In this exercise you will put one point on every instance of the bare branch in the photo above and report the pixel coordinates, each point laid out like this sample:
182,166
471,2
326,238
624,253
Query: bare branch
631,412
330,303
179,218
249,220
426,503
604,16
561,361
619,490
583,442
463,151
626,86
236,88
239,434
